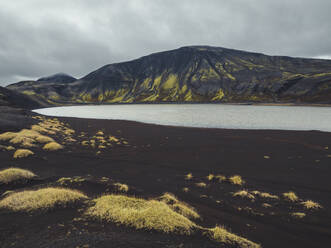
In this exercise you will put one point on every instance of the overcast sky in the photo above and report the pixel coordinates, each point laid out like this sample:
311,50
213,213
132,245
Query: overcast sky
43,37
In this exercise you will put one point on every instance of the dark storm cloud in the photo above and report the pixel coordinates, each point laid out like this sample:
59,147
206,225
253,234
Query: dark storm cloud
41,37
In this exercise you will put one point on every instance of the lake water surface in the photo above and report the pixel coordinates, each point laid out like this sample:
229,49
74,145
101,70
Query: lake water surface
206,115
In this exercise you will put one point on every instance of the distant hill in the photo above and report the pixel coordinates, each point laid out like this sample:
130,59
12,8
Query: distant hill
194,74
58,78
11,98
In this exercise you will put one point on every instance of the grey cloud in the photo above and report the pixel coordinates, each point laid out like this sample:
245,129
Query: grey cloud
40,37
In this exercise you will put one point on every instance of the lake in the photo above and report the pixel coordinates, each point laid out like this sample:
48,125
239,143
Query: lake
206,115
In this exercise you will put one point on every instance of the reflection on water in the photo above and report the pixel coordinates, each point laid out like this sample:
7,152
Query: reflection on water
206,115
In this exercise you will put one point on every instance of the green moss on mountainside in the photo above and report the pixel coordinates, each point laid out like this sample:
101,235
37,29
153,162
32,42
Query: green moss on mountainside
194,74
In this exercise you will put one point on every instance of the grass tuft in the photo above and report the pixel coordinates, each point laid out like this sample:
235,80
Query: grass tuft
22,153
14,174
7,136
100,133
210,177
220,177
52,146
189,176
236,179
39,129
266,205
113,139
84,143
179,206
42,199
25,138
121,187
185,210
311,204
201,185
70,180
298,215
185,189
168,198
264,194
291,196
244,194
140,214
10,148
220,234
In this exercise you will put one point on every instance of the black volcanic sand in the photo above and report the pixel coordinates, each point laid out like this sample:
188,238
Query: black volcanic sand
156,160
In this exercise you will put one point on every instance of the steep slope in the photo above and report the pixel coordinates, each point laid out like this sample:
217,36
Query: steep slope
46,90
14,99
198,74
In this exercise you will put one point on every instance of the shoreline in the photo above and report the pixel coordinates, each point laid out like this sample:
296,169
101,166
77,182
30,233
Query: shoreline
233,118
194,103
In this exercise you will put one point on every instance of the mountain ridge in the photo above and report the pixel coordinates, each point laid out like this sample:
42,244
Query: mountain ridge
195,74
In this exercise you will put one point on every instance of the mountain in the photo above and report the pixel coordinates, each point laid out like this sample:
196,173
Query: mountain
10,98
45,90
195,74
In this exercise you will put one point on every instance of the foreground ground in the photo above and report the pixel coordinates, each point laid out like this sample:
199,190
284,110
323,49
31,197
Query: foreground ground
153,159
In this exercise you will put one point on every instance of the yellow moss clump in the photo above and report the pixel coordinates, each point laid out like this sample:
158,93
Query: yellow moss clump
266,205
264,194
236,179
44,139
22,153
113,139
210,177
92,142
53,126
25,138
7,136
201,185
121,187
244,194
70,180
185,210
220,234
39,129
298,215
220,177
168,198
10,148
311,204
42,199
68,131
185,189
178,206
52,146
84,143
13,174
140,214
70,139
189,176
291,196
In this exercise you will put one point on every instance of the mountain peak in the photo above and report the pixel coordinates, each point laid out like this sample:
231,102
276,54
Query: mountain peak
57,78
203,47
